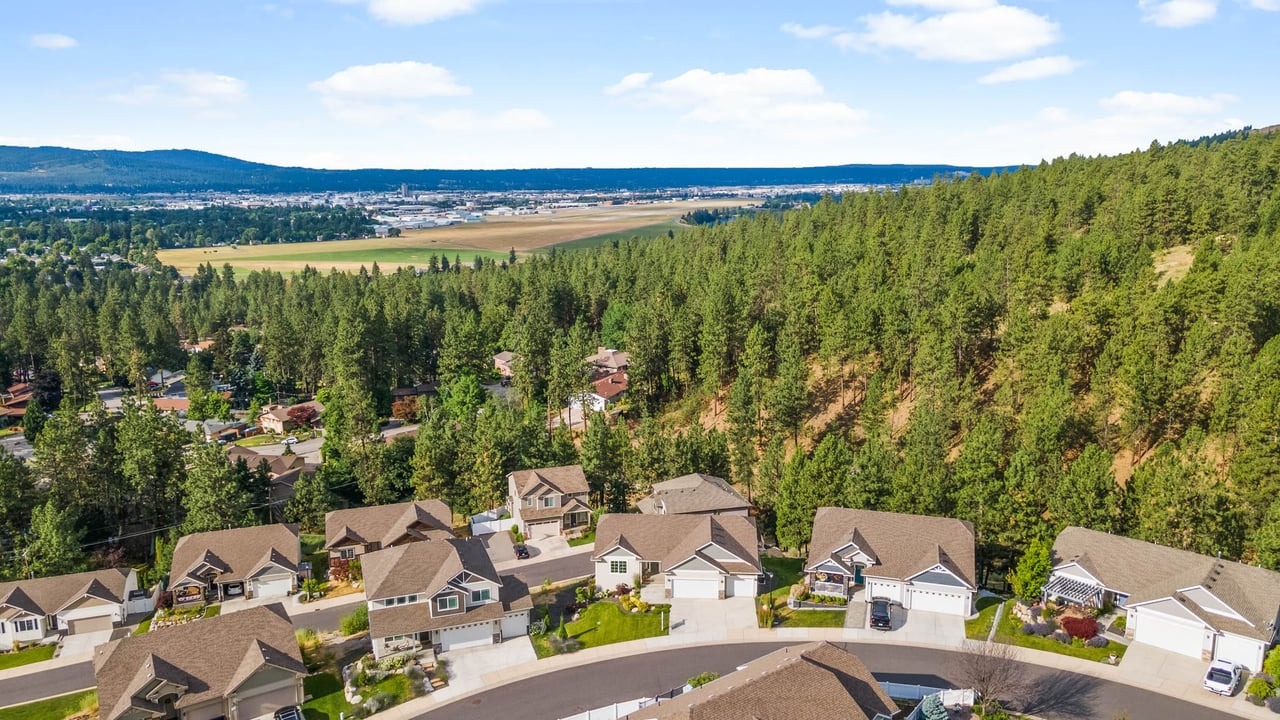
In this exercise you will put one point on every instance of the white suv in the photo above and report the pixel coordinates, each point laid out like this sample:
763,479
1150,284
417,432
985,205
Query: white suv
1222,677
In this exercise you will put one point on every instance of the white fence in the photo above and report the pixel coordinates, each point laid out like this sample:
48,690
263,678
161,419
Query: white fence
612,712
488,523
903,691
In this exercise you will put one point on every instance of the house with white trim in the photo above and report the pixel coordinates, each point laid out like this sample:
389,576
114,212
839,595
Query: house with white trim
918,561
689,556
250,562
40,610
1191,604
549,501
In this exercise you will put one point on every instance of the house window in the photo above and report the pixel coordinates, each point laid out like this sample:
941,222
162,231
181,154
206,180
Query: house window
449,602
1121,600
550,501
26,625
479,596
618,567
528,502
402,600
347,553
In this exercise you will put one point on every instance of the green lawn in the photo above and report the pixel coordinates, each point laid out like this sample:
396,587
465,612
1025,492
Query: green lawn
810,618
645,232
787,572
979,627
584,540
52,708
212,610
313,552
143,627
417,256
1010,632
259,440
13,430
26,657
397,685
327,700
604,623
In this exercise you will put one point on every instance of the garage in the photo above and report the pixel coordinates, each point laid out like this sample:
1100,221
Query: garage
741,586
87,625
465,636
265,705
544,529
515,625
278,586
1239,650
939,602
1166,633
887,590
695,588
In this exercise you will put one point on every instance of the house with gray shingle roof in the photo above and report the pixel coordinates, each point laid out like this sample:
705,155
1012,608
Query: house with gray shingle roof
353,532
242,665
549,501
692,556
253,562
443,594
32,611
1191,604
694,494
919,561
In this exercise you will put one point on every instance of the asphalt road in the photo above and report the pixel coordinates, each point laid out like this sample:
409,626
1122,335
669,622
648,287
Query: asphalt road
35,686
564,568
1052,694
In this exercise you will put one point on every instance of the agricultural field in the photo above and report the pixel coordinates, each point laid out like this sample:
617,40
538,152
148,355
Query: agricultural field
493,238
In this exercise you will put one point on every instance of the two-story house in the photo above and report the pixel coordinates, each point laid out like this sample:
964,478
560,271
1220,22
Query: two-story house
549,501
444,595
96,601
350,533
240,666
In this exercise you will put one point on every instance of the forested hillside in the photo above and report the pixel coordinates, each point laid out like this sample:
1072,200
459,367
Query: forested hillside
1089,342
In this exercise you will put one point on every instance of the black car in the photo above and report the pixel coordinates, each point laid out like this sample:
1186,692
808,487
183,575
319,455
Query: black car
522,551
881,616
292,712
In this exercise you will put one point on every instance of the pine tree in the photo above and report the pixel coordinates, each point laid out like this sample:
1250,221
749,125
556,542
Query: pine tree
53,547
211,497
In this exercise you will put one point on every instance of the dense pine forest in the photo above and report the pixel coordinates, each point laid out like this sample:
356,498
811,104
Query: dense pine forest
1088,342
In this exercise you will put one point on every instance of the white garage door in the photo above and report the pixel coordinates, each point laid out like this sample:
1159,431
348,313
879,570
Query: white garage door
84,625
941,602
1158,630
741,586
695,588
265,705
273,586
546,529
1239,650
466,636
515,625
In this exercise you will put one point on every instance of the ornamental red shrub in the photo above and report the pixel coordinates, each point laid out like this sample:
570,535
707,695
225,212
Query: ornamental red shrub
1080,627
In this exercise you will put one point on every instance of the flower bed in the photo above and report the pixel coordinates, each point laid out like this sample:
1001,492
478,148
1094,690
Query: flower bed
371,686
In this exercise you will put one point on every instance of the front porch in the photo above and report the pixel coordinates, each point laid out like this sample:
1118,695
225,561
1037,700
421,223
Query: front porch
417,645
835,584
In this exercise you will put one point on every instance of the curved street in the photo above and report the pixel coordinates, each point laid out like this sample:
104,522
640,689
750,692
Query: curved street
1053,693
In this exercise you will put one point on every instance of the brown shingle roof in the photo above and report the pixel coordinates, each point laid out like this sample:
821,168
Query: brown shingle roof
694,493
237,553
565,480
1147,571
211,657
423,567
804,682
386,523
404,619
611,386
48,595
904,545
672,539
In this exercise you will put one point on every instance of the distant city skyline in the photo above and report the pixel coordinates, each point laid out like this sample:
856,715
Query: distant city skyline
636,83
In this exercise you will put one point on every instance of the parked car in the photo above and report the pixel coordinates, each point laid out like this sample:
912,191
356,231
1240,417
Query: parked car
291,712
881,614
522,551
1223,677
289,440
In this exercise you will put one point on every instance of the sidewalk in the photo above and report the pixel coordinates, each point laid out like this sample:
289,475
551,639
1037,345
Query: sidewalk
44,665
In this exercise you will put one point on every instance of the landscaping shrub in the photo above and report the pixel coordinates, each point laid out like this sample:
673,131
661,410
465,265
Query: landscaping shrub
1271,665
1028,629
1061,637
1259,689
1080,627
379,702
1035,611
1120,624
641,606
1273,704
1042,629
357,621
702,679
622,589
583,593
164,601
394,663
537,627
764,614
1097,641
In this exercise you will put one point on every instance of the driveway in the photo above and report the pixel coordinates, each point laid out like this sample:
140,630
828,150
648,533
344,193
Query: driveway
1166,672
17,446
466,666
921,626
690,616
499,546
82,644
546,548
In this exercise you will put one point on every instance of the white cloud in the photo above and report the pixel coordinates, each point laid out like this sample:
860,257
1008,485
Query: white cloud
785,102
1129,102
948,5
1031,70
398,80
188,88
1272,5
1179,13
53,41
810,32
633,81
416,12
964,32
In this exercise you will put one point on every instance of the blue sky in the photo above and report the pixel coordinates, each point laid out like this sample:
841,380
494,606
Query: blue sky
619,83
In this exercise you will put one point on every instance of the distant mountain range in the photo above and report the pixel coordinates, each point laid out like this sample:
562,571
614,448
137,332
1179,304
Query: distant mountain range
61,170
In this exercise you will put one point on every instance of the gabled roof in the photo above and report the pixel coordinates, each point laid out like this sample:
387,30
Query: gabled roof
670,540
236,554
611,386
423,567
694,493
609,358
210,658
566,480
387,523
513,596
903,545
1147,572
46,596
803,682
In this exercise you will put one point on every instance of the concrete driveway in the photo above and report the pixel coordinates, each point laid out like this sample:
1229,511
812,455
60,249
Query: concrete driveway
713,617
82,644
546,548
499,546
921,626
1168,673
467,666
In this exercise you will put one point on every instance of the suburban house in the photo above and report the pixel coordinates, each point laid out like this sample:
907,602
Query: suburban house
606,361
275,418
443,595
502,363
604,392
918,561
1195,605
238,666
251,562
813,680
697,556
14,401
549,501
694,494
32,610
283,470
350,533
